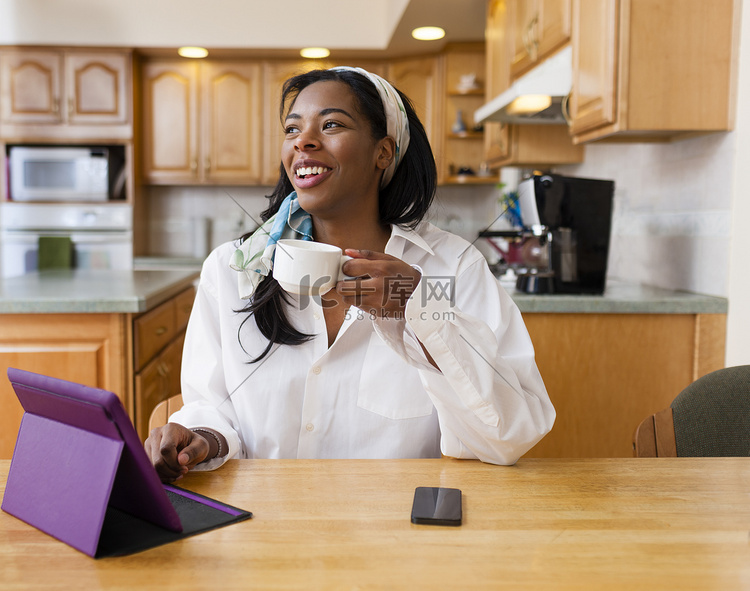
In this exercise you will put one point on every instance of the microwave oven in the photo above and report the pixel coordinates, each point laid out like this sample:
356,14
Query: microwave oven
52,173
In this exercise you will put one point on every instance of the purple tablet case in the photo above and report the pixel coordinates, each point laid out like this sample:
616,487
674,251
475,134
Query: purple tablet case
79,473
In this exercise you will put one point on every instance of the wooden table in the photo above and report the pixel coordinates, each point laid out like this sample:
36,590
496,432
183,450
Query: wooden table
625,523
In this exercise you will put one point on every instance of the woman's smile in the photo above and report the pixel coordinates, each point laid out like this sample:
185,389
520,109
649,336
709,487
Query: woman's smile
309,172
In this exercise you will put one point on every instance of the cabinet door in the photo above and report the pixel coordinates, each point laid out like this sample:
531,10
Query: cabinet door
84,348
158,380
230,113
539,27
170,112
30,87
554,26
497,48
524,22
418,79
595,37
97,88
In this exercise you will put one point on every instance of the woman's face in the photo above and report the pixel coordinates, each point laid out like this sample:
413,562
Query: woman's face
329,153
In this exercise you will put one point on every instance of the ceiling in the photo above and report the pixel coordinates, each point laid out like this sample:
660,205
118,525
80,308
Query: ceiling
463,21
364,28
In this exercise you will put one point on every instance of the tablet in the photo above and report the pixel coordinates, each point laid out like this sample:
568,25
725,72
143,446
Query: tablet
80,471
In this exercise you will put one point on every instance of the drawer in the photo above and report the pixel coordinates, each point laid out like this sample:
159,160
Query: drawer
152,332
157,381
183,307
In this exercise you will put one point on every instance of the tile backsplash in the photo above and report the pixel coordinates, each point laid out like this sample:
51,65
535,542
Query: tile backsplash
672,214
180,217
671,220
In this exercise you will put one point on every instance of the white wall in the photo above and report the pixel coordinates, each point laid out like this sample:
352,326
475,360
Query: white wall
672,214
738,337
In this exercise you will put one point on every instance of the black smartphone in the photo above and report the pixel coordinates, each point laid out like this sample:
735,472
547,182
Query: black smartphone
436,506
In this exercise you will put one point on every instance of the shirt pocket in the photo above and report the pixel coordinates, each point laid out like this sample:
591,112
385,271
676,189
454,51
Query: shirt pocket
389,386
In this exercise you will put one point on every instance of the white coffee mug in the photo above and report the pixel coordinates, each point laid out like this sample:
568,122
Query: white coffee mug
311,268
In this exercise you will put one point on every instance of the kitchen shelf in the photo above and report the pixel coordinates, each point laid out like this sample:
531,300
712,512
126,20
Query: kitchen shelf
467,179
474,92
466,135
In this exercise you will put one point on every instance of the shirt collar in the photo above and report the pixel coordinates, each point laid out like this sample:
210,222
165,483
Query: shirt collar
400,236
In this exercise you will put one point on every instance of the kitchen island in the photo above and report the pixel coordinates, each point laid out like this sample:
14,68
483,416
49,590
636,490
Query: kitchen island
607,361
117,330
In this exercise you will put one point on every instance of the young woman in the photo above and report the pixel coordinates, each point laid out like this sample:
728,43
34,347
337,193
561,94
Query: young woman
422,354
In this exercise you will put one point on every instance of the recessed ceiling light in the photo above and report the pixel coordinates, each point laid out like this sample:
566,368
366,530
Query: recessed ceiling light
196,52
314,52
428,33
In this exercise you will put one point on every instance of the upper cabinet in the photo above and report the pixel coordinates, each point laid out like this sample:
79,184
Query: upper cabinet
419,79
538,28
445,90
65,95
647,69
202,122
524,145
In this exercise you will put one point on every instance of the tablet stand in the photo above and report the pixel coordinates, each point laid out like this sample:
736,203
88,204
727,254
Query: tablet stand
60,480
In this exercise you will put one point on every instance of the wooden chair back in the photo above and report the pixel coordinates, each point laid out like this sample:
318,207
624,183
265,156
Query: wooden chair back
654,437
160,415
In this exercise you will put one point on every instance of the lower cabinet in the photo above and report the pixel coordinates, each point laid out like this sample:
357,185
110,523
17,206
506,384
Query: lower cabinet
606,372
136,356
157,381
91,349
158,337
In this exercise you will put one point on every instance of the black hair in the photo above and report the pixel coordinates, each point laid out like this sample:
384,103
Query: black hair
404,201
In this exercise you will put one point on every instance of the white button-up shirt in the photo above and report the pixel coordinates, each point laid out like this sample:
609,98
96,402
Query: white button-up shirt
373,393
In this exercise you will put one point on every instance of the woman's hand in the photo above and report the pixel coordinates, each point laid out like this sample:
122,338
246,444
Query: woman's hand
383,286
174,449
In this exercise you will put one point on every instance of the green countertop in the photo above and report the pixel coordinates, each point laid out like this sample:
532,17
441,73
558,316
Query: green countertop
100,291
620,298
53,292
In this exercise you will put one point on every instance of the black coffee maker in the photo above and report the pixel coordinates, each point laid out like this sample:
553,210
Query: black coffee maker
564,242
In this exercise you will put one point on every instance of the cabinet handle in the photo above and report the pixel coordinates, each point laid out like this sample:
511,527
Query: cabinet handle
531,38
194,166
56,105
71,107
207,165
160,331
565,106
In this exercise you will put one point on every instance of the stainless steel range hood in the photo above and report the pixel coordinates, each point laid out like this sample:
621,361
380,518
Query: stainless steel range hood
538,97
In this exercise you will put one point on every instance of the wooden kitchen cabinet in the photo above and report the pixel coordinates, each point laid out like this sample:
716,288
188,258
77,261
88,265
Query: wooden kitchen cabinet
522,145
650,70
606,372
539,28
91,349
136,356
419,79
65,94
530,145
202,122
158,337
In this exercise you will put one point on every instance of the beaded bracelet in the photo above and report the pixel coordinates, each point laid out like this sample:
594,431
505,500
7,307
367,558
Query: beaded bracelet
212,434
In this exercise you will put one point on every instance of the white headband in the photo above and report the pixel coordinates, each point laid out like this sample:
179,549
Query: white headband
395,114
